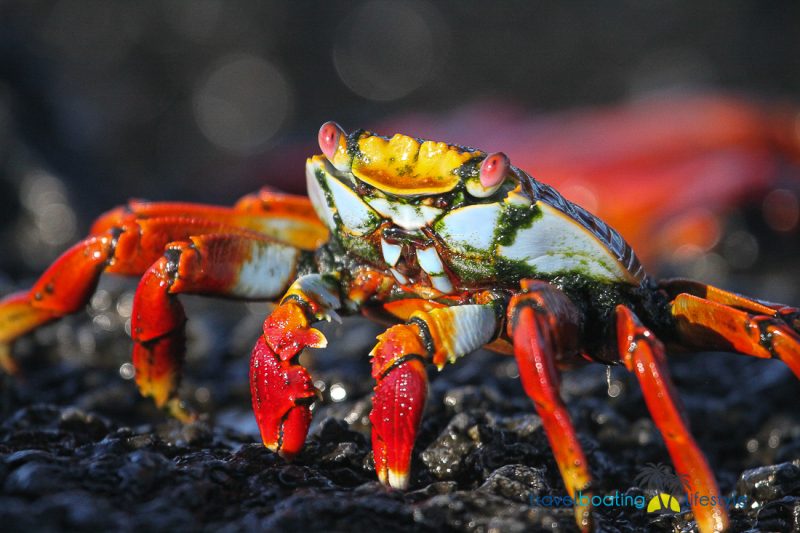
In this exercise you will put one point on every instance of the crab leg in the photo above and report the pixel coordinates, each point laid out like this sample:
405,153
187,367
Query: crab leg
281,389
643,355
398,366
285,217
237,265
67,285
127,240
543,324
707,324
790,315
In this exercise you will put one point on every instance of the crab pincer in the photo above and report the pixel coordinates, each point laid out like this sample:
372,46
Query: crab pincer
282,394
398,402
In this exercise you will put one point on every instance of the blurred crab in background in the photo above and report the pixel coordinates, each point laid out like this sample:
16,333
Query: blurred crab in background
462,248
672,173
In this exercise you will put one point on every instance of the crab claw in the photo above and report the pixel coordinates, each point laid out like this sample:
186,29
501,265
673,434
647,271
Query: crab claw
282,394
287,331
396,413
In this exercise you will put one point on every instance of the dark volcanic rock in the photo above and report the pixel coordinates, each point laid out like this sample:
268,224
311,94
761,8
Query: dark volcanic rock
482,461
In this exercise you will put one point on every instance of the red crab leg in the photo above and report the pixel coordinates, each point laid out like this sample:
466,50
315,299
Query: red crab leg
67,284
244,265
543,324
281,389
398,366
643,355
707,324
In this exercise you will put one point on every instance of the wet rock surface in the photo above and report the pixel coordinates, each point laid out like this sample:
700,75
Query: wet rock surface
79,450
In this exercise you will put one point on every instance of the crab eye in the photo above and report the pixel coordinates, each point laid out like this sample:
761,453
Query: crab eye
329,135
493,169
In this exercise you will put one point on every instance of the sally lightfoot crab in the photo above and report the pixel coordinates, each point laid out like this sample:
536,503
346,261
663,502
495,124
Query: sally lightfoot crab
457,247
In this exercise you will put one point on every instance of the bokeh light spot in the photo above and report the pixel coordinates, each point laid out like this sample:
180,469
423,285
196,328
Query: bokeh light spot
782,210
385,50
242,103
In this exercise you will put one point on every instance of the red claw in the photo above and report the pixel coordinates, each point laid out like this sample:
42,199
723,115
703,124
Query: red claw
396,413
493,169
329,135
287,331
282,393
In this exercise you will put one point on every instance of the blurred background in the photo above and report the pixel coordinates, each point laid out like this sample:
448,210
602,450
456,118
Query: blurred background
101,101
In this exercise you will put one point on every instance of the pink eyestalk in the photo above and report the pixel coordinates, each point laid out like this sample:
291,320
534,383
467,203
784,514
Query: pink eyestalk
493,169
329,135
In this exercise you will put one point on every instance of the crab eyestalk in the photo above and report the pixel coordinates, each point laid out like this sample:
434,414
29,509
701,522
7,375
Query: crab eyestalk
333,143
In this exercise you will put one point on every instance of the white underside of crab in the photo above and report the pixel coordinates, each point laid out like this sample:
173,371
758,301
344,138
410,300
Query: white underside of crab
268,272
317,196
553,243
556,243
431,263
471,228
409,217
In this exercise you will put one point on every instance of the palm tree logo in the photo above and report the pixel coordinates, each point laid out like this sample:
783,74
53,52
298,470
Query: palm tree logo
664,483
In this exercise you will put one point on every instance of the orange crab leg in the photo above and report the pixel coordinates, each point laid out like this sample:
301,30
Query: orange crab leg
67,284
543,324
439,335
276,204
127,240
244,265
790,315
643,355
287,218
710,325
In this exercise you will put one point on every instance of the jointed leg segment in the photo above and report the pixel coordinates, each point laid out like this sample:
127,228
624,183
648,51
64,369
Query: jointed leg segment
398,366
643,355
543,324
232,252
722,320
281,389
244,265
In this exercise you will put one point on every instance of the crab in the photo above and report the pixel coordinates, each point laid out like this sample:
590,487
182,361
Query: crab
458,249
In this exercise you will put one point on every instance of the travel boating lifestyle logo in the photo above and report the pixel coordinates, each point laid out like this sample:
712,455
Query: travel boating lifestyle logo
662,489
664,483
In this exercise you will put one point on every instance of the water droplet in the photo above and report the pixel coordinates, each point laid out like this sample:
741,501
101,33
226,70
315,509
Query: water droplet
127,371
338,392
